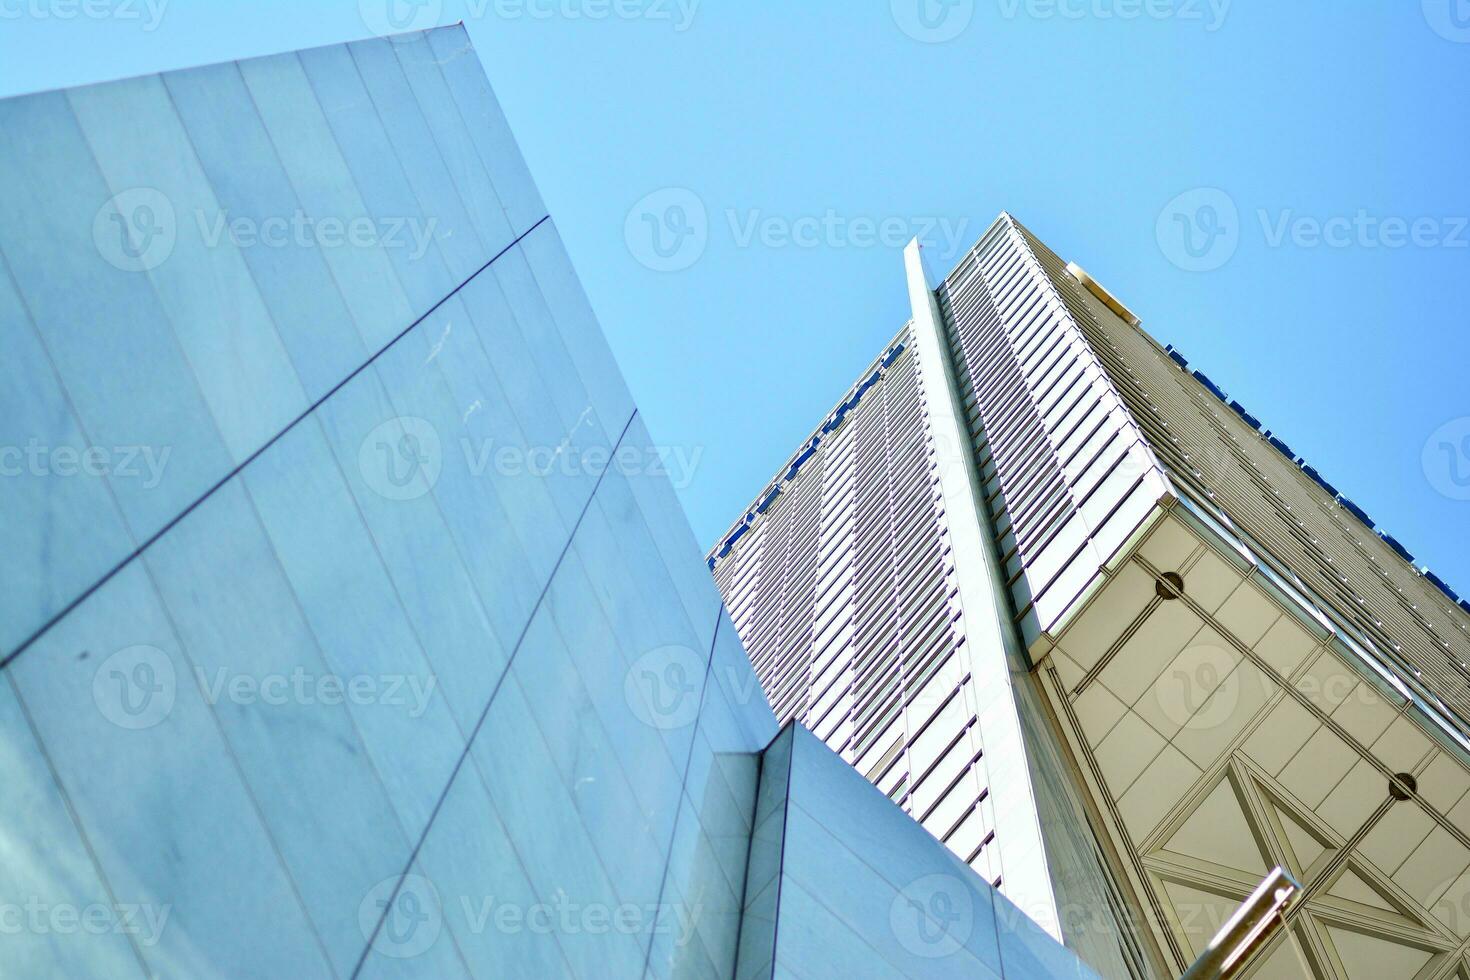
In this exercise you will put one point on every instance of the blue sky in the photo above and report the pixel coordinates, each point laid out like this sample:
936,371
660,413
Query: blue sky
1329,136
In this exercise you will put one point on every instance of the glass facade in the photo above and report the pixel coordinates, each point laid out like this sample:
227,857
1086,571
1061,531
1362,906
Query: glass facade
843,592
842,884
349,625
1259,657
1181,657
1067,475
875,592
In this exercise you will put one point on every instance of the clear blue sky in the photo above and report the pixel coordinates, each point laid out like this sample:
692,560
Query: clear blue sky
1081,120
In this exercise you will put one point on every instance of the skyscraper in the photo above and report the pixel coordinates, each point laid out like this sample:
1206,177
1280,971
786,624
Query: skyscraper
349,626
1117,646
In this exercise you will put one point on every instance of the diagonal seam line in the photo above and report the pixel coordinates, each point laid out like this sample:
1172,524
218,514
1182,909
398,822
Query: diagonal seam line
785,835
239,467
475,732
709,669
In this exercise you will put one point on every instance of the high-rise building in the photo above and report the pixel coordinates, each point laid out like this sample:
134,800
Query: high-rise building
348,625
1118,647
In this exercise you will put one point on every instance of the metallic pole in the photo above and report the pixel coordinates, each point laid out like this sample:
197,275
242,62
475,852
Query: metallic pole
1249,929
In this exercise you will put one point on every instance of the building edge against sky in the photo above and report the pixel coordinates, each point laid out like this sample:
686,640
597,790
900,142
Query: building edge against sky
1098,457
868,557
325,697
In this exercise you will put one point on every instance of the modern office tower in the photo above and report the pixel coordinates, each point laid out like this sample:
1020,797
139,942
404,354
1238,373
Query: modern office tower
349,627
1070,606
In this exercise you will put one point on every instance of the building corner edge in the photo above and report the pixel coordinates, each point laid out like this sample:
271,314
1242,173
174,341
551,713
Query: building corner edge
997,659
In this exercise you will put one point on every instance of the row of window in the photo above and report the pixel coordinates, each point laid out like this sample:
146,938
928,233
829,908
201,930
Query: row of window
843,593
